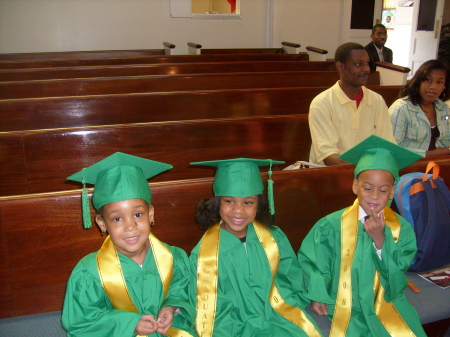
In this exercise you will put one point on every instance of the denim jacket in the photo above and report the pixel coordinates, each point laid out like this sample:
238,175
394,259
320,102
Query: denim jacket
412,129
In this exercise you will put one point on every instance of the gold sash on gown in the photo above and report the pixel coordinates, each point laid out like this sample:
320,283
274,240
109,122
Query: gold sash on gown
208,275
113,281
386,312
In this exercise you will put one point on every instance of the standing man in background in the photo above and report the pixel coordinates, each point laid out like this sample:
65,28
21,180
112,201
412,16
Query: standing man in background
376,49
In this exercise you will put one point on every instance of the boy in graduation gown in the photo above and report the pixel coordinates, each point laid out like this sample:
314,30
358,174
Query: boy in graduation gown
354,260
135,284
247,273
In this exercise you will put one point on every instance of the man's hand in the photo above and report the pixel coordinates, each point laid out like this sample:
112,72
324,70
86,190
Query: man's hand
333,159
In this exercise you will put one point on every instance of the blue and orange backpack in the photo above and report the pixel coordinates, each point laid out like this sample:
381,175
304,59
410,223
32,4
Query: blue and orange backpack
424,201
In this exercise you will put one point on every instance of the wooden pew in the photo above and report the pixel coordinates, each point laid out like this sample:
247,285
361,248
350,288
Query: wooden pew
161,69
38,255
42,237
83,54
95,61
241,51
286,48
315,54
135,84
40,161
66,112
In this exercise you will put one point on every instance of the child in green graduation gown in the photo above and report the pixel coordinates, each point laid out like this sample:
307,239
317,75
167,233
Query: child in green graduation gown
247,273
135,284
354,260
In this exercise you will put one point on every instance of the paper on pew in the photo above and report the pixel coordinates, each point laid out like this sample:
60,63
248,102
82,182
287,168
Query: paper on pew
300,164
439,276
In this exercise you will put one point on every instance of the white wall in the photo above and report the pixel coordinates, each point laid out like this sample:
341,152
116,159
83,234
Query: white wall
66,25
309,23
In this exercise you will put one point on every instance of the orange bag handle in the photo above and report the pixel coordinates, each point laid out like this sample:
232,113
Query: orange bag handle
431,166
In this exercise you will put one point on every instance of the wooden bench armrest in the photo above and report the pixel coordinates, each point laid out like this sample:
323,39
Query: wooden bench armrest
391,74
169,45
393,67
290,48
194,45
317,50
194,48
317,54
290,44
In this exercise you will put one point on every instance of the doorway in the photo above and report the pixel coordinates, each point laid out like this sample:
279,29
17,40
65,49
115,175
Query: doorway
444,42
415,36
413,40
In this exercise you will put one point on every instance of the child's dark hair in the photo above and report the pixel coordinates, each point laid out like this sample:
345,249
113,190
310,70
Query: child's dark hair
207,212
99,211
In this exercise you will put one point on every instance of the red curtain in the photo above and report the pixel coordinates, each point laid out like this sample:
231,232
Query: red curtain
233,5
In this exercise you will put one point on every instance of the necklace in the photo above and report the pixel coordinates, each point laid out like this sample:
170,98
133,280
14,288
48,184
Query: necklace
431,114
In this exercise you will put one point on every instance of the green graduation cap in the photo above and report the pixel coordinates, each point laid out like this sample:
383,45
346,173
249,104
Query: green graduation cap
377,153
240,177
116,178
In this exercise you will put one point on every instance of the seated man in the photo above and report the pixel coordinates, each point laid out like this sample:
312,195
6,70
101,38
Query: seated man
376,49
347,113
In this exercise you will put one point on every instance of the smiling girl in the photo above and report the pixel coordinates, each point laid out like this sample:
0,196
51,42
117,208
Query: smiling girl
135,283
247,273
420,118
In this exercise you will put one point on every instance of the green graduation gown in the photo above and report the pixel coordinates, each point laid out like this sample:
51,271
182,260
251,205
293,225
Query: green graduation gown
87,310
243,306
320,255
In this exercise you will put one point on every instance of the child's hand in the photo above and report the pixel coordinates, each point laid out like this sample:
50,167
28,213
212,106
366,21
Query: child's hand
319,308
165,319
374,227
146,325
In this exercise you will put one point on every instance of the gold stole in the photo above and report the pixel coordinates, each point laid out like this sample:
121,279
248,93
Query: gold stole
208,276
386,312
113,281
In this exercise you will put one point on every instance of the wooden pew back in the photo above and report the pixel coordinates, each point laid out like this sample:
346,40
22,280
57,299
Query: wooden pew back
80,54
242,51
42,237
139,84
40,161
66,112
161,69
95,61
